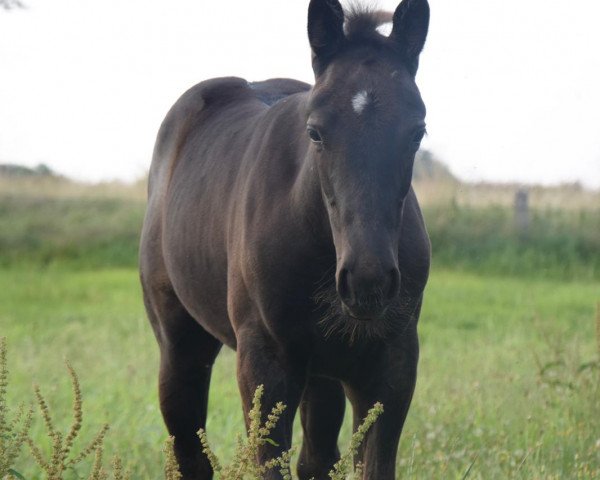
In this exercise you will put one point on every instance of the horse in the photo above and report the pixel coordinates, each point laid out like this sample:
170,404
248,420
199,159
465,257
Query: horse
281,222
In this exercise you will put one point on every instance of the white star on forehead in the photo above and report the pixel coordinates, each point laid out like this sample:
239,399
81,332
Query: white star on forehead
360,101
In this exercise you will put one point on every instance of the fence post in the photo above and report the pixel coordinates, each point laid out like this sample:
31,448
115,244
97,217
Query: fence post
522,218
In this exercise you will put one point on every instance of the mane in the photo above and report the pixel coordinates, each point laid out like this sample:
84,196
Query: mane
361,22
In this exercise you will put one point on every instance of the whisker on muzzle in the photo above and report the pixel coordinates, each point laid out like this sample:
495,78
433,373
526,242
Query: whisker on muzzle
395,320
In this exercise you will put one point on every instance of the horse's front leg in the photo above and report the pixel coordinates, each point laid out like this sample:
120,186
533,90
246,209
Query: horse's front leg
264,361
322,413
392,383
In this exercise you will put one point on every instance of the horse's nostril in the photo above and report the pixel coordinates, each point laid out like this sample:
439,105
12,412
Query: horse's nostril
343,287
394,286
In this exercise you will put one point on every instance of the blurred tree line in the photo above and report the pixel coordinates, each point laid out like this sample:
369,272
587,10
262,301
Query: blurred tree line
10,4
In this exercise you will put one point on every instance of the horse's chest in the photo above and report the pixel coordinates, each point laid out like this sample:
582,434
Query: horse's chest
346,362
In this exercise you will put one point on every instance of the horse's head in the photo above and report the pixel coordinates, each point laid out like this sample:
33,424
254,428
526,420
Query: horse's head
365,119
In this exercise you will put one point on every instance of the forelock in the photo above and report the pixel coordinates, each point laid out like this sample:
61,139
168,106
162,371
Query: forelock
362,22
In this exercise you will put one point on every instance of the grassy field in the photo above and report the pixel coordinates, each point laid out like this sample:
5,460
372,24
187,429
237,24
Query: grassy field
509,380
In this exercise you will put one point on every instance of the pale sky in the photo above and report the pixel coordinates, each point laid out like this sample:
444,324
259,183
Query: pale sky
512,87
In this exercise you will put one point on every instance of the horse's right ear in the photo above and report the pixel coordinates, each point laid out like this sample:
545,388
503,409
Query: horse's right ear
325,30
411,22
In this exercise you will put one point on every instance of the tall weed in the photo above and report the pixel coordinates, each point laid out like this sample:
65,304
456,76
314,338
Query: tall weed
61,461
14,427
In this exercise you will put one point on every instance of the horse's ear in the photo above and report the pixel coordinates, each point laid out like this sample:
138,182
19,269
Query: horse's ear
325,30
411,22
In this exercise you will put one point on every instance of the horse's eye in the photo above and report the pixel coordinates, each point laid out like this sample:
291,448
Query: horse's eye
418,135
314,135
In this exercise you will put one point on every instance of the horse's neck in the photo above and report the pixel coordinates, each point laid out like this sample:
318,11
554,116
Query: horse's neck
307,207
308,203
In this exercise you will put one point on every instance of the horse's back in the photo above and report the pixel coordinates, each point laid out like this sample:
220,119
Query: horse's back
199,103
275,89
185,115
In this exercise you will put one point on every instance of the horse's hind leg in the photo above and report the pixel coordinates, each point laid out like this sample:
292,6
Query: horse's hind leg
322,412
187,353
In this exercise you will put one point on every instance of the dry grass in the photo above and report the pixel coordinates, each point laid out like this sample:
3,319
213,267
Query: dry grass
13,431
563,197
59,187
61,446
434,192
171,468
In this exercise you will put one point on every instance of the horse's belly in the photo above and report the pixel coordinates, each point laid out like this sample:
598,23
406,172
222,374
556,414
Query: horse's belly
203,293
196,259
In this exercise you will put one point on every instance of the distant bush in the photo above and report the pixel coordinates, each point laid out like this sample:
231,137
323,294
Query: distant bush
14,170
428,168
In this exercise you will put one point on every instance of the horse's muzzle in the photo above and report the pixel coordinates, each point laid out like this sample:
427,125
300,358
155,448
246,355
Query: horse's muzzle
366,294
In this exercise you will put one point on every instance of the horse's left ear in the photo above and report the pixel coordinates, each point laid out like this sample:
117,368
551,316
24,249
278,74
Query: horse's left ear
325,31
411,22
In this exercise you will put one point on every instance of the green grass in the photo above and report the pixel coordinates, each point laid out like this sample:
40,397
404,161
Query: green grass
509,379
